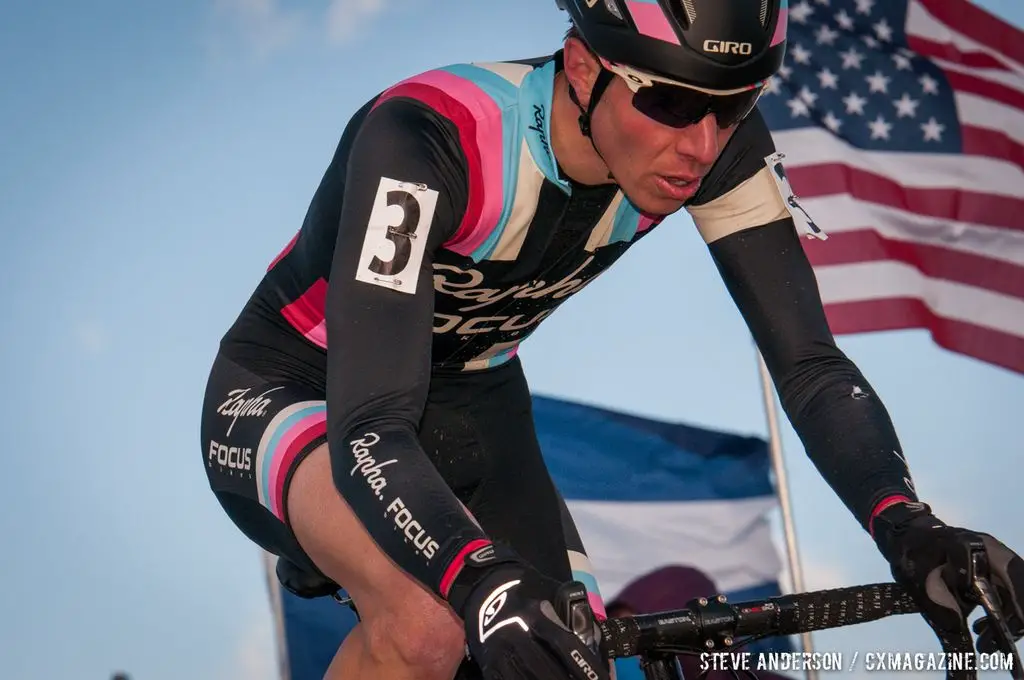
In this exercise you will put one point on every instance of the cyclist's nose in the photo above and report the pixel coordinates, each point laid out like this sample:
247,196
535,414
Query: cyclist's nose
700,141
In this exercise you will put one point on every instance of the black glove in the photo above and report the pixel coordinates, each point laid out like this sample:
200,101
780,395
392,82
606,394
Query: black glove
513,631
927,556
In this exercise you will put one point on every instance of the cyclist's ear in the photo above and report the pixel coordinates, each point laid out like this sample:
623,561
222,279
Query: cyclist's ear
581,68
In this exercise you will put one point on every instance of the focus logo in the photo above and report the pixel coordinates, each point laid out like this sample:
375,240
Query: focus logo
411,528
230,457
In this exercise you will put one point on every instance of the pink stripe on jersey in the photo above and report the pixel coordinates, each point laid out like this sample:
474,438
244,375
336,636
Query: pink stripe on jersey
456,565
651,21
780,28
597,606
478,119
287,249
645,222
318,334
306,314
300,435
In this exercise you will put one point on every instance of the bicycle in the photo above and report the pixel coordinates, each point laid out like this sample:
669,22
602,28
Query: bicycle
712,625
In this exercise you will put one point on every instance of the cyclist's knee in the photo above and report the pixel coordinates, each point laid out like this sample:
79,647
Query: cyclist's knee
428,640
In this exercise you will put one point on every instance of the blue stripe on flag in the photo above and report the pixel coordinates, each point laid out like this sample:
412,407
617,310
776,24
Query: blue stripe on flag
598,454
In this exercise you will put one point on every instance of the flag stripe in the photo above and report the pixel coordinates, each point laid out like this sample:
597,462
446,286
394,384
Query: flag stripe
808,146
1003,77
985,93
842,214
992,143
994,347
950,53
933,261
975,24
886,279
810,181
721,537
987,114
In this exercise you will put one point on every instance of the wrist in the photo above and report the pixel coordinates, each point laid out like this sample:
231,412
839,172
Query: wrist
892,521
894,510
473,566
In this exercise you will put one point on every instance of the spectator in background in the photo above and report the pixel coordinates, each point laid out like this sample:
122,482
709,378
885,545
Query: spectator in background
670,587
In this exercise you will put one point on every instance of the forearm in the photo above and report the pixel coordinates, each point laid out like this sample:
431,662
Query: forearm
839,418
846,432
387,479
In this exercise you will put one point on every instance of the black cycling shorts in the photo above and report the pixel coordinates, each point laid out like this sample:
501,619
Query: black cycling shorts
477,429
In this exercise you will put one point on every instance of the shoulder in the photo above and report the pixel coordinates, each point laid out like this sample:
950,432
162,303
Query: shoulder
740,191
473,106
467,94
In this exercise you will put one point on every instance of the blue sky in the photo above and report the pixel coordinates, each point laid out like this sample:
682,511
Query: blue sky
156,157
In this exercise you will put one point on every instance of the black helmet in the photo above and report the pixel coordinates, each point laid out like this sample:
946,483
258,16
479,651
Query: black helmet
719,45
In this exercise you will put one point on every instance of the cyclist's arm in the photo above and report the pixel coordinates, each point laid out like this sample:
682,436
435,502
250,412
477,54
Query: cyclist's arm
841,421
380,334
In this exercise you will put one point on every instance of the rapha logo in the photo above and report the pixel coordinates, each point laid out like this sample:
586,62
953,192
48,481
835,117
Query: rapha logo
538,127
367,465
238,405
490,609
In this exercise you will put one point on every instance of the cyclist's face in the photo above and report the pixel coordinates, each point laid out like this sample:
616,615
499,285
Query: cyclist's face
659,167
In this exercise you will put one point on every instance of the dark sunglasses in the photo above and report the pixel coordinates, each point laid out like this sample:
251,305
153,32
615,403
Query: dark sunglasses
679,106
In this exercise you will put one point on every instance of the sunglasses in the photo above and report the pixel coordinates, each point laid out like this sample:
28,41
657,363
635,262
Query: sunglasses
677,105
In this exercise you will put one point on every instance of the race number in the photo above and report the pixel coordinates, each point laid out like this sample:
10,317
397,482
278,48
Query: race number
396,235
774,163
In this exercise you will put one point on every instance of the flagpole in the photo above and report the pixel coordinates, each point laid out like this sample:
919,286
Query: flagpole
274,591
778,464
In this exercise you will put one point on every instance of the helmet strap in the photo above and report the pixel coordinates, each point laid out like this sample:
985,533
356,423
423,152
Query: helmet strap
604,79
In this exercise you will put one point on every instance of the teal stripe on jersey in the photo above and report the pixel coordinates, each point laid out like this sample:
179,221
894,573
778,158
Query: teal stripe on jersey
625,223
537,92
506,96
504,93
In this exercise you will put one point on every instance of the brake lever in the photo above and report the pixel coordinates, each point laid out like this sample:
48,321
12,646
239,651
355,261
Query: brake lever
573,608
985,595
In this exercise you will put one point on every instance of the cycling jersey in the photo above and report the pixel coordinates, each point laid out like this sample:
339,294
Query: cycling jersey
444,232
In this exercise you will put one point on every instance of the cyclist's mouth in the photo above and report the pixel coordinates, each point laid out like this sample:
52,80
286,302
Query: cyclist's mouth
676,187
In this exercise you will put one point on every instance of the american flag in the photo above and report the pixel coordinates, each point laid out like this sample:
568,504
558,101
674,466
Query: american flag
902,125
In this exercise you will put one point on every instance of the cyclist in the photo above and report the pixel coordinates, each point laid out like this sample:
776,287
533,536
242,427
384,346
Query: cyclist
461,207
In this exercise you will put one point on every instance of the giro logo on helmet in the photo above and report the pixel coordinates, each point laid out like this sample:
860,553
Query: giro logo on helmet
727,47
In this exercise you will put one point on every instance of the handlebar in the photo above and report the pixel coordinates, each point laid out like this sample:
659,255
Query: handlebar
710,624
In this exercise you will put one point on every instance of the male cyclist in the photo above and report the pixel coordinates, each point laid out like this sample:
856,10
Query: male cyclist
367,418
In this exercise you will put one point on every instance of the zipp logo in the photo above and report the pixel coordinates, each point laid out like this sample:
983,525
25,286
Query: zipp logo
490,609
727,47
583,665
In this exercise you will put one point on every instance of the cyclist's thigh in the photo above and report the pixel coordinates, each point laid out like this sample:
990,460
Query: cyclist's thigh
254,432
497,468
